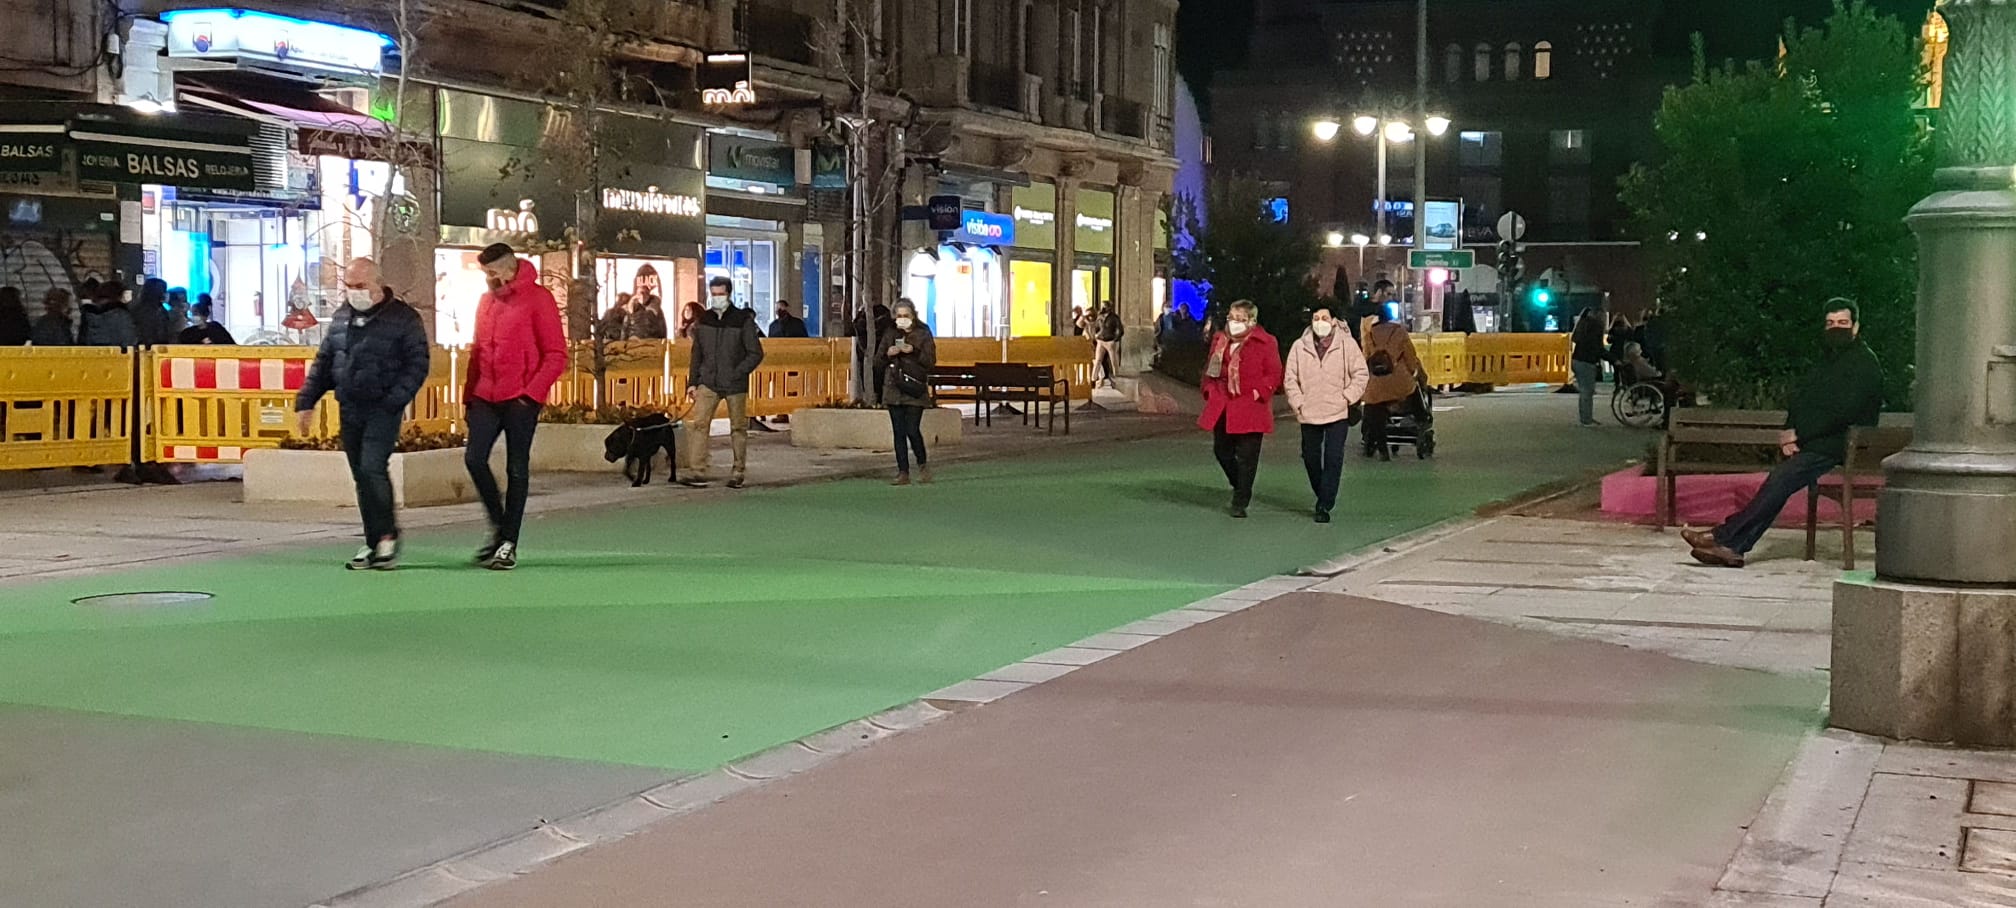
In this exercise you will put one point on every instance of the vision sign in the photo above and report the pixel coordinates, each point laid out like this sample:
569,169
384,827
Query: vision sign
985,228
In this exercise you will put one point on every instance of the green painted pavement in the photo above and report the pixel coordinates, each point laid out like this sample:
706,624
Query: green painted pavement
687,635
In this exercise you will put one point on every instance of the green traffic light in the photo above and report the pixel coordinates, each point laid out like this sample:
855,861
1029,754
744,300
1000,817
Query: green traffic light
1543,297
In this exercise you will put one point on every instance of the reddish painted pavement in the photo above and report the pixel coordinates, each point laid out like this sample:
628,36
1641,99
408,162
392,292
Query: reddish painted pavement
1317,750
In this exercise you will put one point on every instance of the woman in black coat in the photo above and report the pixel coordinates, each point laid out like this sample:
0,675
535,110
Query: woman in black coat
905,354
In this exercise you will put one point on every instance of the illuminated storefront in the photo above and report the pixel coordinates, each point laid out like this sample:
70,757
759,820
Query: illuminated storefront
1031,270
1092,272
960,288
652,216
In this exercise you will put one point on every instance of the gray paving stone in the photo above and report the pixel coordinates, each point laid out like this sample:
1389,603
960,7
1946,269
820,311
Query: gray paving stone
1115,641
977,691
1072,655
1993,798
845,738
1029,672
1759,900
1189,616
1990,851
1152,627
908,716
778,762
1222,604
417,890
515,855
1884,886
1909,821
697,791
1951,763
1794,846
613,821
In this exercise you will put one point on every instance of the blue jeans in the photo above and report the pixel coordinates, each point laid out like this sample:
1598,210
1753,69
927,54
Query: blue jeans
1798,473
1587,376
368,438
1323,457
907,424
515,420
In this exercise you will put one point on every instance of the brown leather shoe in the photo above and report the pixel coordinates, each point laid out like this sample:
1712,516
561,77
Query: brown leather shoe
1700,539
1718,556
902,479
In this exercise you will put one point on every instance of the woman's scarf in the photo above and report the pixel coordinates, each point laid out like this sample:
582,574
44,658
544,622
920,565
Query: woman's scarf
1225,356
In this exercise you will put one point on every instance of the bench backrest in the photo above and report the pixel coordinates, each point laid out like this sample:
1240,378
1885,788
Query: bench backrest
1708,426
1014,375
1869,445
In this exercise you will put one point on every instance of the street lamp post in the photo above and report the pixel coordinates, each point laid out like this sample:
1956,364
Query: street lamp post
1385,130
1926,649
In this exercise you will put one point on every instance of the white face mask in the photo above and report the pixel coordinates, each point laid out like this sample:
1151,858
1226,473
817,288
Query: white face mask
904,322
1238,329
717,303
360,300
1323,329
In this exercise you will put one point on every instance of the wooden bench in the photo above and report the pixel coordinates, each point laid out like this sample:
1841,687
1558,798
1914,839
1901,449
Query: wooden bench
1867,448
955,384
1697,428
986,384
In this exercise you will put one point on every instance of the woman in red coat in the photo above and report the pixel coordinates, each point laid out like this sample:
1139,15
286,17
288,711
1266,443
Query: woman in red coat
1240,378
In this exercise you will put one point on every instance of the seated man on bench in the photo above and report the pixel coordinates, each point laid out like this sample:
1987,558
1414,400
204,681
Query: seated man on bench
1844,391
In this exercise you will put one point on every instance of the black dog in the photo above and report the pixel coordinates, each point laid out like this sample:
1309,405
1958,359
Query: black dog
637,444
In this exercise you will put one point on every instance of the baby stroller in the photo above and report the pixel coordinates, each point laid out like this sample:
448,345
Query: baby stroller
1412,423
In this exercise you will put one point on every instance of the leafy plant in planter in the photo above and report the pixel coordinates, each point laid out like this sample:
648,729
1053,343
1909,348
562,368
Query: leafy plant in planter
411,441
584,415
841,403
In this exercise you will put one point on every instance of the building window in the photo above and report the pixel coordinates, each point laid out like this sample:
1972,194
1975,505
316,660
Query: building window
1513,63
1481,149
1483,198
1483,62
1284,130
1095,48
955,27
1263,130
1568,146
1165,70
1543,60
1025,33
1452,61
1568,201
1074,65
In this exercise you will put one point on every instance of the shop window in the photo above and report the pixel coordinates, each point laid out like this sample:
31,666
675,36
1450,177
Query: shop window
1029,293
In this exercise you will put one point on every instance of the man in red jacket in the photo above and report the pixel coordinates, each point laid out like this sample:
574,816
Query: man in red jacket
518,353
1240,378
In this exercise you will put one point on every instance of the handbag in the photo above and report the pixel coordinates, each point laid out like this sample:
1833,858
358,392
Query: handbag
909,383
1380,364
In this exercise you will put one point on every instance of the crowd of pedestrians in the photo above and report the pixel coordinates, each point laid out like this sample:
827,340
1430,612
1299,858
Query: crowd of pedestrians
106,314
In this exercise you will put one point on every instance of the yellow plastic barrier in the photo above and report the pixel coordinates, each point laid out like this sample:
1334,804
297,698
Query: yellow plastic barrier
1071,355
65,407
796,373
438,406
1516,359
1443,358
211,404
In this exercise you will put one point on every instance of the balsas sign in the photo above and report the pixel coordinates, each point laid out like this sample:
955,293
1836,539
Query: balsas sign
174,169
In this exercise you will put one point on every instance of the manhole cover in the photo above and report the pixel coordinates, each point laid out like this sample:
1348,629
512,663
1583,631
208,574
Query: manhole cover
143,600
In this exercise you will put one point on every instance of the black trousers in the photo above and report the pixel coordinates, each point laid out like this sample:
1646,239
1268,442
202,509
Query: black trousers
907,424
515,420
1377,416
1323,457
1239,455
368,439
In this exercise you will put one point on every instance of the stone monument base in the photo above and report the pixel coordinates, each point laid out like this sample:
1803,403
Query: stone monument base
1924,663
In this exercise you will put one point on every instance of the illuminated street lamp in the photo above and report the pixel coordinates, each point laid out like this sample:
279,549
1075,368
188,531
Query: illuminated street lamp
1394,130
1334,240
1326,129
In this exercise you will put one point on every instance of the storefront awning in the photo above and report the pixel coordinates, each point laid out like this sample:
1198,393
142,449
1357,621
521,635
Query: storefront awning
117,145
321,126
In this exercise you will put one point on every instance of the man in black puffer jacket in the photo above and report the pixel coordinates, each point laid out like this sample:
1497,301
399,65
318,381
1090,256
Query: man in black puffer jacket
727,348
375,359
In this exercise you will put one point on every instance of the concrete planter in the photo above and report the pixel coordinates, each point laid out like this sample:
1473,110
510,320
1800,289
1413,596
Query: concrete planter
867,429
420,479
570,448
